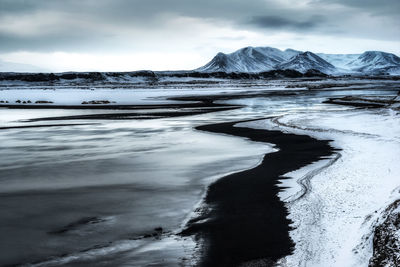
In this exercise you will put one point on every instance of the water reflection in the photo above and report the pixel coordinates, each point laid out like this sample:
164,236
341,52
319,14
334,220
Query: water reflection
133,175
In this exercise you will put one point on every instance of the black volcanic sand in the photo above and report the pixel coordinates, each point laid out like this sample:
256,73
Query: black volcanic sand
360,102
205,103
243,220
136,116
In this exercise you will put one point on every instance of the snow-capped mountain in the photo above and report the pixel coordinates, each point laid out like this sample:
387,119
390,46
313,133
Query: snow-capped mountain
375,61
261,59
249,59
307,61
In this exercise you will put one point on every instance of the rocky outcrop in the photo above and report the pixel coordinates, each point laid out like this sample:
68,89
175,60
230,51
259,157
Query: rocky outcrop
386,241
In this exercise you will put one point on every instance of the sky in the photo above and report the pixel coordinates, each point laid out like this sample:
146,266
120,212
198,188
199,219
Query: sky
126,35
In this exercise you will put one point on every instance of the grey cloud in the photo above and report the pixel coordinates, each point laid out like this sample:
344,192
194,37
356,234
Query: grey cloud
132,9
377,7
10,6
277,22
50,43
110,15
127,11
115,16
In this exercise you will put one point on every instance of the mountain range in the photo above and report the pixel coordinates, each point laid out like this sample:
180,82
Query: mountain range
262,59
258,60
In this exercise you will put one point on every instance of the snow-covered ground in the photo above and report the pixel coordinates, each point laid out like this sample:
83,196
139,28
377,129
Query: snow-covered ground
347,194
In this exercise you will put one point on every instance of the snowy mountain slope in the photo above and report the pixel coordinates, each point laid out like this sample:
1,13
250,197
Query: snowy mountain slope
221,62
306,61
338,60
375,61
391,70
248,59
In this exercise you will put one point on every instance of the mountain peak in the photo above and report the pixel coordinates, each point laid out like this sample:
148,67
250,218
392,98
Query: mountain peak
307,61
373,52
220,54
247,59
247,48
375,61
291,50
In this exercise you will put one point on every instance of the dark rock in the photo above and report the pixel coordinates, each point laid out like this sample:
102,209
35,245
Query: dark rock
96,102
386,242
314,73
43,102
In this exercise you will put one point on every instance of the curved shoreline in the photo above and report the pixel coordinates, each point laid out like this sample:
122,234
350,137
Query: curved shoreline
244,221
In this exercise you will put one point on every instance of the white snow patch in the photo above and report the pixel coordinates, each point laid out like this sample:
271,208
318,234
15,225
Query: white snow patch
332,219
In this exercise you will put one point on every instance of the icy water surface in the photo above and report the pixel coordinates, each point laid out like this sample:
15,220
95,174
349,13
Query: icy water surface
114,193
67,189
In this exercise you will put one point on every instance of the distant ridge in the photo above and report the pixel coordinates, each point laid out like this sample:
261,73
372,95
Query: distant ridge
261,59
376,61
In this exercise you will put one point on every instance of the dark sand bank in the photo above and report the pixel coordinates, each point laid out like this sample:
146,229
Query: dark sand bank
243,220
204,104
362,102
136,115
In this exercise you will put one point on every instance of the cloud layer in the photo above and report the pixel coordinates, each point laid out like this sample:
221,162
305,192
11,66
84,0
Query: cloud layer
135,26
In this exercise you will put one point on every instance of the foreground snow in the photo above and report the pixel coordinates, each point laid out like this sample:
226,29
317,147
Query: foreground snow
345,197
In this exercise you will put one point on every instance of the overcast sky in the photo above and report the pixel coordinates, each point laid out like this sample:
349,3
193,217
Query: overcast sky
123,35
